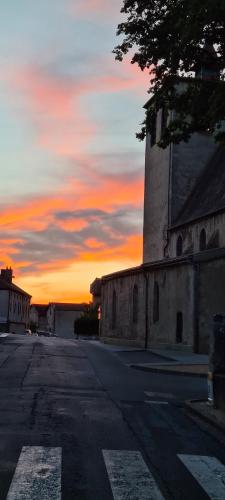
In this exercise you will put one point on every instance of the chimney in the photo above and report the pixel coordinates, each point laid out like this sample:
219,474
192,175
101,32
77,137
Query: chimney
7,274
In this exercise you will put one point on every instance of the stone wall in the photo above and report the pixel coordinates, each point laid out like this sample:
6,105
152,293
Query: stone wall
175,296
123,327
156,201
175,286
211,298
214,227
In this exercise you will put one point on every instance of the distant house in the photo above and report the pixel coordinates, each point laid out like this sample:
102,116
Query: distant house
38,317
61,317
14,304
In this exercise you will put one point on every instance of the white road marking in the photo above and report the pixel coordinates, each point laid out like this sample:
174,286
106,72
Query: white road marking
209,472
157,402
160,395
129,476
37,475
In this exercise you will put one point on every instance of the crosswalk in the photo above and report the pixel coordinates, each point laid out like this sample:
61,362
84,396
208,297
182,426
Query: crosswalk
37,475
39,469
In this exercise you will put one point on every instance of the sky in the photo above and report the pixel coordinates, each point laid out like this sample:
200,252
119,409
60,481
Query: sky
72,170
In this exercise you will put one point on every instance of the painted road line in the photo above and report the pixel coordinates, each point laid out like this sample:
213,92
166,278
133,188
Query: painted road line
160,395
37,475
129,476
209,472
157,402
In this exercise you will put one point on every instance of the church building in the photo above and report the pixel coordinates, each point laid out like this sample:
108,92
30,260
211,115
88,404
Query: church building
170,299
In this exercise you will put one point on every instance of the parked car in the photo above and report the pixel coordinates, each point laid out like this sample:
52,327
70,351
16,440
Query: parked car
43,333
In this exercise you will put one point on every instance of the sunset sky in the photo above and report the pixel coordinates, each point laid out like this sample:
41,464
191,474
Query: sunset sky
71,167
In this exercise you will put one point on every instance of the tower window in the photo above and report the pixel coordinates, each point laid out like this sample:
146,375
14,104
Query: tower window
156,302
179,329
202,240
114,310
135,304
153,130
179,248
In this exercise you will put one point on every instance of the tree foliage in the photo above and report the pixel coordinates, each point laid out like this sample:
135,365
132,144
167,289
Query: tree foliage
174,39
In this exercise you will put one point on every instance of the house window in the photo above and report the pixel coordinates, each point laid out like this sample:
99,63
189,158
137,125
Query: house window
179,248
114,310
179,328
202,240
135,304
156,302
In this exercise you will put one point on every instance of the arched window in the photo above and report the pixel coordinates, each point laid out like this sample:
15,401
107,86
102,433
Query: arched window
179,249
156,302
179,329
202,240
114,310
135,304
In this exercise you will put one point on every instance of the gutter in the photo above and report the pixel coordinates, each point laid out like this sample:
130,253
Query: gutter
146,309
196,306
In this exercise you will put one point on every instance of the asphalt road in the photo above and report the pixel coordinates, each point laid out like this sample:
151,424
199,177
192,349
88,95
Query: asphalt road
77,423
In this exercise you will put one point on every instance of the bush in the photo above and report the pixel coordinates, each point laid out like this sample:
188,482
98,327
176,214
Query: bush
86,326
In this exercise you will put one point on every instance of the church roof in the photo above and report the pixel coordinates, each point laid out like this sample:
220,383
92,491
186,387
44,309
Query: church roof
208,196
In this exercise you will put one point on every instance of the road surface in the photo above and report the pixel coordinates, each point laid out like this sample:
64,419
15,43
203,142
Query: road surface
77,423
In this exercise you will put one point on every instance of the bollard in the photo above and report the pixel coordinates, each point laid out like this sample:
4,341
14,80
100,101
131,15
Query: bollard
216,356
210,389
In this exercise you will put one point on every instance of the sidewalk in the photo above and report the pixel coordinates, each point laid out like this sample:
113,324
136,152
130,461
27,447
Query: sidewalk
188,364
176,362
209,414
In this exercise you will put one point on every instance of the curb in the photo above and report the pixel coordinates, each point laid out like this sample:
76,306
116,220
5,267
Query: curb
213,422
172,372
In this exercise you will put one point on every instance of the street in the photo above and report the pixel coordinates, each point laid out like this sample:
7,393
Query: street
77,423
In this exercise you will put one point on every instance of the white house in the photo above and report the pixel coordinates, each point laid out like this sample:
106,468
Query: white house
61,317
14,304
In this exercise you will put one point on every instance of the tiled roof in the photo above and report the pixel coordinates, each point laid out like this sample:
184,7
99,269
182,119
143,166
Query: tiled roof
208,196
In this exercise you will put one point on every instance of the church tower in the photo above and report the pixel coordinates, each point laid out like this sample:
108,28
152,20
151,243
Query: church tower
172,173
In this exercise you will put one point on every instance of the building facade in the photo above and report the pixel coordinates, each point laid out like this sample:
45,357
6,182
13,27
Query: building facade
61,317
14,305
171,298
38,317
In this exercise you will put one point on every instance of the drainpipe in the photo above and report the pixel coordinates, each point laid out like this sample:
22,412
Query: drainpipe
146,309
196,307
8,321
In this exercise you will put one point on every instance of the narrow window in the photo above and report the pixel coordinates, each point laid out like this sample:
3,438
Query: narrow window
202,240
135,304
179,249
153,130
156,302
179,329
114,310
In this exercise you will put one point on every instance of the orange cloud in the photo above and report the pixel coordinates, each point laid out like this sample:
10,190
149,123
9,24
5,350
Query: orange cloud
130,249
53,103
30,213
